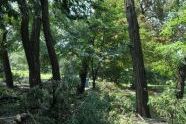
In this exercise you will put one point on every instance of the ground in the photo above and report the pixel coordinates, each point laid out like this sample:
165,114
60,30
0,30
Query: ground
116,101
121,101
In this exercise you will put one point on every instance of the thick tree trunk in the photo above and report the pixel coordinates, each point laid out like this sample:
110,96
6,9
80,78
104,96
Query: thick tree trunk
181,81
138,64
83,75
49,40
31,45
6,64
35,77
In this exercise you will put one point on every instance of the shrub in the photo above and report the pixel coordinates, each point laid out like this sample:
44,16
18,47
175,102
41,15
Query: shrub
93,110
167,106
51,100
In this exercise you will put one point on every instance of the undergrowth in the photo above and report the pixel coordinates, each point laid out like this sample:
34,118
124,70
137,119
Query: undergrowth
57,103
167,106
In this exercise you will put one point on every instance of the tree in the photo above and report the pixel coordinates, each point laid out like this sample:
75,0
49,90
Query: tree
94,71
181,81
7,14
137,58
174,30
5,60
31,44
49,40
83,74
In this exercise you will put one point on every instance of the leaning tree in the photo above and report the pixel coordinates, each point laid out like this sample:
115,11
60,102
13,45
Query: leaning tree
137,58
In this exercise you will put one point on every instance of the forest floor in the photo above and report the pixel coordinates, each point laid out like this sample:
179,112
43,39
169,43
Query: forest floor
124,95
121,100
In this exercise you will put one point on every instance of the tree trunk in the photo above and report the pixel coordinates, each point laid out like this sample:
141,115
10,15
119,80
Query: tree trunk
35,77
31,45
49,40
94,73
6,63
83,75
181,81
25,29
138,64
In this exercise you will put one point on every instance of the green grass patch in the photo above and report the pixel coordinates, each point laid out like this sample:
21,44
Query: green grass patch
25,74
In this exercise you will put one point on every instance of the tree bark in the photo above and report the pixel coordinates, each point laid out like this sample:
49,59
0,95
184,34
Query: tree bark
6,63
34,39
25,28
83,75
31,44
181,81
49,40
138,64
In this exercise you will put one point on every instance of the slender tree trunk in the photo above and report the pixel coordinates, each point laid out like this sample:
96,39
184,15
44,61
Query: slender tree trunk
25,29
94,73
83,75
7,69
138,64
31,44
49,40
181,81
6,63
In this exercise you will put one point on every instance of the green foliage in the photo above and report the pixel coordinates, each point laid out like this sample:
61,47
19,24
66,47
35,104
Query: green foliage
52,100
174,53
174,27
57,102
98,30
157,76
5,92
9,103
71,72
18,57
168,107
94,108
108,105
126,76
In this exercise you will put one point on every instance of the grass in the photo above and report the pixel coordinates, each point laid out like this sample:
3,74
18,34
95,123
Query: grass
25,73
1,79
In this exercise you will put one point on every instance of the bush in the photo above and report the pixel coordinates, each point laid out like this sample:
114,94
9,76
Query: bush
51,100
94,109
57,102
167,106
